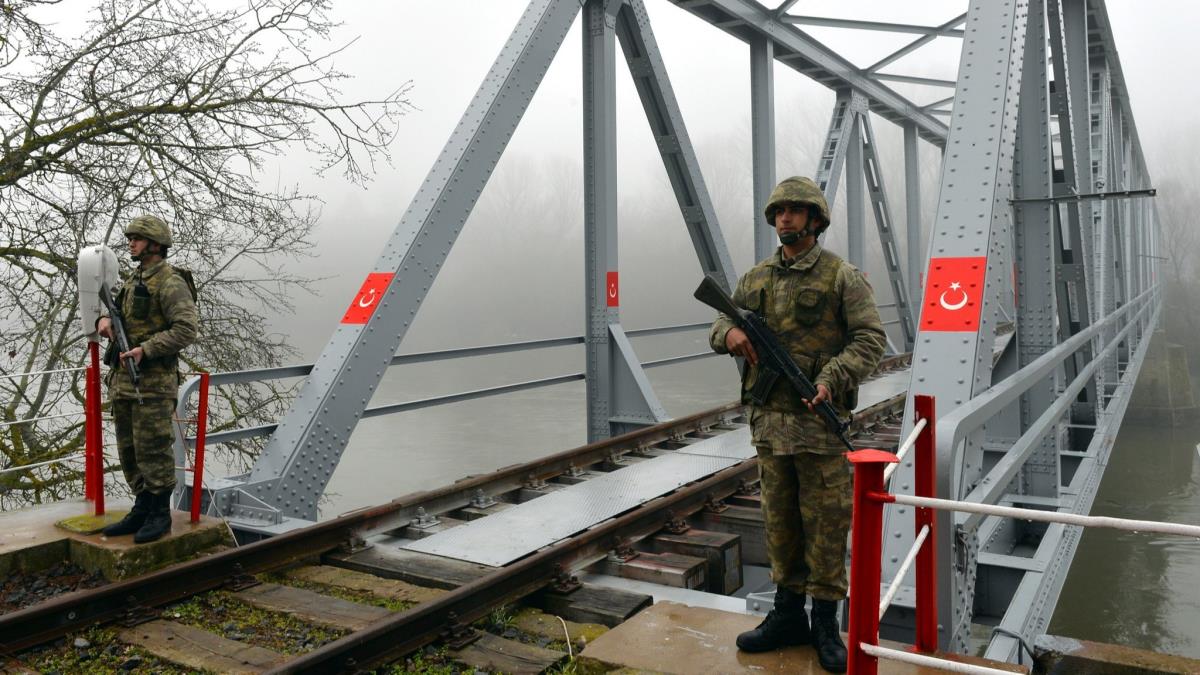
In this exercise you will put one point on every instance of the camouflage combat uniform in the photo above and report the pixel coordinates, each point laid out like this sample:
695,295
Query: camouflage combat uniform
823,311
162,324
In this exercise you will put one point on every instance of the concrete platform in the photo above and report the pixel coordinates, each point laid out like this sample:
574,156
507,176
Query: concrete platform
31,540
672,638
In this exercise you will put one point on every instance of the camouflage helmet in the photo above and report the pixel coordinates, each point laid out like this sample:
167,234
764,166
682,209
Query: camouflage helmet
150,227
797,190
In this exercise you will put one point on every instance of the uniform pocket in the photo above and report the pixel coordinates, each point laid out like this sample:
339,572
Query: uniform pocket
810,305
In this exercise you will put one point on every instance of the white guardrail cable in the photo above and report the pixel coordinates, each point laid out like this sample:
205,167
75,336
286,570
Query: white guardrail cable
14,376
908,561
904,448
931,661
1050,516
5,425
26,467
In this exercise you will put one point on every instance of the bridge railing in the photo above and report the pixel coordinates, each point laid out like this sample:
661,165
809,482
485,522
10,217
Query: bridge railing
967,418
872,469
192,386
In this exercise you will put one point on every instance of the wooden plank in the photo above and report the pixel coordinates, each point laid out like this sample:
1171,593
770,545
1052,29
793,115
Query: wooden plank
312,606
666,569
721,550
415,568
193,647
743,521
496,654
753,501
358,581
592,604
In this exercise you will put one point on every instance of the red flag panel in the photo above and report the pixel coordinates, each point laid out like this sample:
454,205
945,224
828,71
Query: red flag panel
368,297
613,300
954,294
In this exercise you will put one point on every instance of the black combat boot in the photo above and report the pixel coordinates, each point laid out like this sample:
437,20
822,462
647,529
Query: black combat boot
785,625
132,520
826,639
158,520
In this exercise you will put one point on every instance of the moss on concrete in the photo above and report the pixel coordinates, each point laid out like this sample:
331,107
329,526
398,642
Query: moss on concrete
89,523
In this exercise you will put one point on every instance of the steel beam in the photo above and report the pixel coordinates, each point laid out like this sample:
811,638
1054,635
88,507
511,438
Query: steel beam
972,223
747,19
914,45
912,208
300,457
674,145
933,31
762,140
619,398
881,209
856,213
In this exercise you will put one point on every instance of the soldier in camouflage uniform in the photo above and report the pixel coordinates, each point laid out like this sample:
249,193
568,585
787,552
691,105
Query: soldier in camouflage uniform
824,312
160,320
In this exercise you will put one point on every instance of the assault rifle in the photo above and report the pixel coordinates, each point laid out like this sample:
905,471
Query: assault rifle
120,342
773,359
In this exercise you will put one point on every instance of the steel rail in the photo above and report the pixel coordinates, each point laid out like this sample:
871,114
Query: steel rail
408,631
45,621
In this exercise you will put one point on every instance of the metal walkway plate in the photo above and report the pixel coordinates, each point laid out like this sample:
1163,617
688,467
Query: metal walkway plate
516,532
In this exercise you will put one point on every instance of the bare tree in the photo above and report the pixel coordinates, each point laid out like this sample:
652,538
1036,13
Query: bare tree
174,108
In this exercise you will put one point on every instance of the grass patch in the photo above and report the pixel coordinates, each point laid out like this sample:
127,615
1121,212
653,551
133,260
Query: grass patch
222,613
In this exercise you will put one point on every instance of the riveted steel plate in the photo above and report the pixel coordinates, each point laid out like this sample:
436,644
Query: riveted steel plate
733,445
883,388
516,532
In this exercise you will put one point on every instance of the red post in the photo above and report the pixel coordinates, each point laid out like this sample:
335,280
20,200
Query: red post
89,439
866,553
201,429
925,462
93,431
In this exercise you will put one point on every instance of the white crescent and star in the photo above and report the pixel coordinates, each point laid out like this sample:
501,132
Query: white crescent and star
612,291
958,305
368,299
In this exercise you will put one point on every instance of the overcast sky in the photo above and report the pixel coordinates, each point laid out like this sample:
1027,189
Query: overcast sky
446,47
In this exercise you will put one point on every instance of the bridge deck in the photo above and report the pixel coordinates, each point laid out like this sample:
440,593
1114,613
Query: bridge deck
518,531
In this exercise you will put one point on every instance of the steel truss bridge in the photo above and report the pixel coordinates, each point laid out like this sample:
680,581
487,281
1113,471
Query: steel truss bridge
1041,269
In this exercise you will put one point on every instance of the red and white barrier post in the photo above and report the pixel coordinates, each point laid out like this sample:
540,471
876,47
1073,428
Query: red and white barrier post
201,430
925,485
866,546
93,437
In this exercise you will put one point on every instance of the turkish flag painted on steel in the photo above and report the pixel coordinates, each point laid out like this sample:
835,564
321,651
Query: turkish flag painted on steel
368,298
954,294
613,300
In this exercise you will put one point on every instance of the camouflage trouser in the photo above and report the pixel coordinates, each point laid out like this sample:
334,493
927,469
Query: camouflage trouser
806,503
144,438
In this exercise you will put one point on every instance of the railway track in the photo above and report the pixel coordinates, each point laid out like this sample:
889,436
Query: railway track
442,605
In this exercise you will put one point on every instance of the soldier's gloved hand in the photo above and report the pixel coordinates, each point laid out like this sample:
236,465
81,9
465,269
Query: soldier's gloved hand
104,327
822,395
739,345
136,353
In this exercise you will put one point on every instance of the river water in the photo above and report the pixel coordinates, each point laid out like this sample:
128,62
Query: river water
1134,589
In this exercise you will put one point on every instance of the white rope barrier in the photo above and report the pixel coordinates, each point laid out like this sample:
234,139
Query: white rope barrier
908,561
39,419
1051,516
904,448
26,467
930,661
41,372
